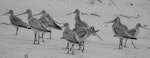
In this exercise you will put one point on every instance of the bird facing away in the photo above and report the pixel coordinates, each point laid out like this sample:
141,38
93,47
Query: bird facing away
16,21
71,36
36,25
121,31
48,21
134,32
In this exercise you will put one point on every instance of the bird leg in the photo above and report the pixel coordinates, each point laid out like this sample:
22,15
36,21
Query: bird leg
68,48
133,44
125,43
72,48
80,44
50,34
35,35
17,31
83,47
38,38
42,37
119,44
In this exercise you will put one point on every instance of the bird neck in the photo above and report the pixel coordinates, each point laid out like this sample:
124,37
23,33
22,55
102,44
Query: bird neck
67,28
11,15
137,27
29,15
118,22
77,17
44,15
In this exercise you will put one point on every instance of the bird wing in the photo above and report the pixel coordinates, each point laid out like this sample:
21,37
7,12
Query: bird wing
121,32
56,26
132,31
53,24
81,32
124,27
37,24
71,36
43,20
18,22
81,24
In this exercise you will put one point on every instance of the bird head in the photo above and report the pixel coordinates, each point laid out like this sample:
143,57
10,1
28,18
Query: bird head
139,25
117,19
27,11
43,12
10,12
76,11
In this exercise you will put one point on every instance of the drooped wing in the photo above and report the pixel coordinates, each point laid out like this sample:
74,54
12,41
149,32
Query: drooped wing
18,22
124,27
53,24
121,32
132,31
82,33
81,24
71,36
37,24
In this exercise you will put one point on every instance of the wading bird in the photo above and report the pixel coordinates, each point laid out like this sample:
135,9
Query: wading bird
36,25
48,21
134,32
121,31
71,36
16,21
83,30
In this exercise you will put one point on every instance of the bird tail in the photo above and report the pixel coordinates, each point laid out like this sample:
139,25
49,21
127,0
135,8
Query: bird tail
56,26
134,38
27,27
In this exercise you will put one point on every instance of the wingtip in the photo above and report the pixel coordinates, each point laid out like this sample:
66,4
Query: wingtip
134,38
29,28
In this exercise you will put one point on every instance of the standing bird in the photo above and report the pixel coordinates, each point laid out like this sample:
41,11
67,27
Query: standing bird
121,31
79,23
82,28
71,36
36,25
16,22
84,33
134,32
48,21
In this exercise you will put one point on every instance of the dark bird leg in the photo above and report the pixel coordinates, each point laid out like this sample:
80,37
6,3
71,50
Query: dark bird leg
43,37
35,35
72,48
68,48
80,46
17,31
119,44
50,34
83,47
